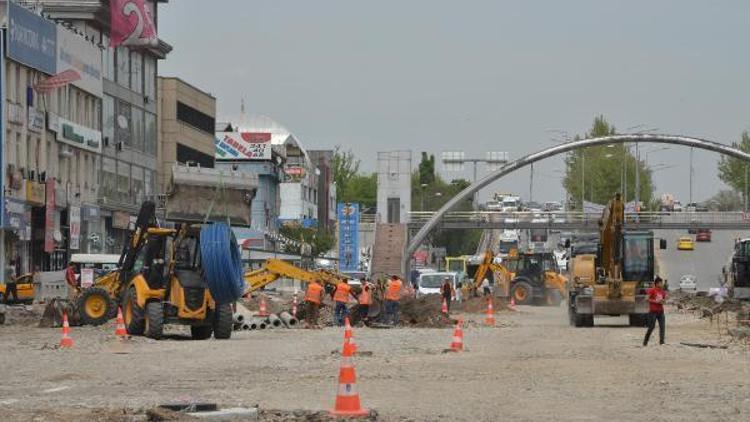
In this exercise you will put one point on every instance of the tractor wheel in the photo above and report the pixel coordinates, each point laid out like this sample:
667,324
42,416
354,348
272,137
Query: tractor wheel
223,321
95,306
637,320
584,320
201,332
154,327
553,298
134,315
523,293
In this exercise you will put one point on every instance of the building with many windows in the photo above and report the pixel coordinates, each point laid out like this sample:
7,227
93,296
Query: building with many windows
186,127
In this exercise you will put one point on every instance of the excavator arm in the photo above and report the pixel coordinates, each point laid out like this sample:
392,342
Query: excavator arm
488,266
274,269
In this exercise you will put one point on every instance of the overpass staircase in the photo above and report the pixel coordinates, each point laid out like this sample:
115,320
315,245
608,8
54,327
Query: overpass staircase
388,251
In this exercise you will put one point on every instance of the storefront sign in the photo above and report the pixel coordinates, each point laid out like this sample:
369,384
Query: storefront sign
120,220
75,227
74,52
243,145
15,113
36,120
32,39
18,218
78,136
295,171
348,220
35,193
87,277
49,217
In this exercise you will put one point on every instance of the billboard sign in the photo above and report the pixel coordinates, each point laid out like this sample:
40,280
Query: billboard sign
348,220
243,145
32,40
74,52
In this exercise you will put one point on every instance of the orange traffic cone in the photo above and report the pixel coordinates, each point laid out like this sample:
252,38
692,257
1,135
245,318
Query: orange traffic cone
347,398
349,337
66,341
490,319
457,345
263,310
512,303
120,332
444,309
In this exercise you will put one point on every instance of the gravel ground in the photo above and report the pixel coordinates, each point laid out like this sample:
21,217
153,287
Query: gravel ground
532,367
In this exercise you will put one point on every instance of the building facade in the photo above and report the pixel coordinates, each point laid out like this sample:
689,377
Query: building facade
127,170
187,118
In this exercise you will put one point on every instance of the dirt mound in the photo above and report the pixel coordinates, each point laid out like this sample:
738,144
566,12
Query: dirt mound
424,312
305,416
478,305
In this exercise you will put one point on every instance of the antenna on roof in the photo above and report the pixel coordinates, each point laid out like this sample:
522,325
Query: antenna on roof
242,111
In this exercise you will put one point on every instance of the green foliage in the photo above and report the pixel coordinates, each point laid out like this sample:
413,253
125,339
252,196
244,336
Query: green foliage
320,240
726,200
732,170
350,185
603,169
427,169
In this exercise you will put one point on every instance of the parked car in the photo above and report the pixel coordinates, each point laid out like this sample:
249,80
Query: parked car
685,244
687,282
703,235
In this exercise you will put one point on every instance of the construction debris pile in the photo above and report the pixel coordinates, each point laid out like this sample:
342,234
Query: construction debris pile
244,319
710,307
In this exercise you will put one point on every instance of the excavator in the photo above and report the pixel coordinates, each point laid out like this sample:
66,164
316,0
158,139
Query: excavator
613,281
529,278
159,279
273,269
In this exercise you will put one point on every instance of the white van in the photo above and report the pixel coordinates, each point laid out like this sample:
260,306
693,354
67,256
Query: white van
430,283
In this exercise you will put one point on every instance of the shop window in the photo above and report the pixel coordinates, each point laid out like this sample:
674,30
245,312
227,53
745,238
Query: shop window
108,119
150,133
123,123
136,71
123,66
138,130
195,118
108,62
123,182
108,178
149,77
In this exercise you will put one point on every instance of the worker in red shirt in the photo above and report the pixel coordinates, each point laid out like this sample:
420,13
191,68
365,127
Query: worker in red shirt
656,298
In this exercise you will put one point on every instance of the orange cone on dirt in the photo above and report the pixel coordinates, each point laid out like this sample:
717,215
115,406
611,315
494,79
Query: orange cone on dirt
490,319
444,309
349,337
457,345
512,303
347,398
263,311
66,341
120,331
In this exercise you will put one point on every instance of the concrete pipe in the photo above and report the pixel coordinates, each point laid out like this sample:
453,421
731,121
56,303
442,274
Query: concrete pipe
275,321
253,325
260,323
238,318
288,319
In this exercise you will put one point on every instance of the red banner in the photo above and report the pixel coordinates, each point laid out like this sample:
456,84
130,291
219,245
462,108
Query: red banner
49,217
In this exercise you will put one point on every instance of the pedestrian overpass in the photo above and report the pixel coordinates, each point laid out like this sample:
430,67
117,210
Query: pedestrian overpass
587,221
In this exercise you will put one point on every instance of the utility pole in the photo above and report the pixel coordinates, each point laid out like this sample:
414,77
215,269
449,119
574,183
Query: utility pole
691,176
583,178
531,183
637,178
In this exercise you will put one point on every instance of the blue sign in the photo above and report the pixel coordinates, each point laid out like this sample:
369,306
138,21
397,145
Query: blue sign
32,40
348,219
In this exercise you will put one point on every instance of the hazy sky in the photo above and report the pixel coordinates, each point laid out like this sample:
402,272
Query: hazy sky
480,76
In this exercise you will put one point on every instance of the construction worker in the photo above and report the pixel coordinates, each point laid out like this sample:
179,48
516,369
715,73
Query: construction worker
392,296
656,298
10,284
341,297
365,300
313,297
486,287
447,291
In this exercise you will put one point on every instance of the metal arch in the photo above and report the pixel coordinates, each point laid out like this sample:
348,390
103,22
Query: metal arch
559,149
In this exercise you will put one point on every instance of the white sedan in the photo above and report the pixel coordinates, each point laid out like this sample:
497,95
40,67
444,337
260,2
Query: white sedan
687,282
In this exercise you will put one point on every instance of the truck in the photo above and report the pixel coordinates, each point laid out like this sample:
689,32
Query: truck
667,202
738,275
614,281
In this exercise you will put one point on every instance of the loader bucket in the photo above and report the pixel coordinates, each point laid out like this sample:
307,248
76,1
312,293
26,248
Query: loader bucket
197,194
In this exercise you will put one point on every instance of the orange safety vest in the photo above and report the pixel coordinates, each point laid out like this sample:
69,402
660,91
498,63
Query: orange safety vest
313,293
365,298
342,292
393,292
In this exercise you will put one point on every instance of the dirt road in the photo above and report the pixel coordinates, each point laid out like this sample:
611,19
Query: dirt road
533,368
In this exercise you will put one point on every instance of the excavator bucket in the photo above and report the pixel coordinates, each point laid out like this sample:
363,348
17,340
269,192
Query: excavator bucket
197,194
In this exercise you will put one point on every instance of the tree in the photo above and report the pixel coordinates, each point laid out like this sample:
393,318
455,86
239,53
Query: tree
427,169
725,200
603,169
732,171
319,240
351,186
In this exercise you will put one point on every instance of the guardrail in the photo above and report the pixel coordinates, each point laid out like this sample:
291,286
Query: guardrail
582,220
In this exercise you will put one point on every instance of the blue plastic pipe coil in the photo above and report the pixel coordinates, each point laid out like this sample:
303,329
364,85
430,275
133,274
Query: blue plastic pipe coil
221,262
